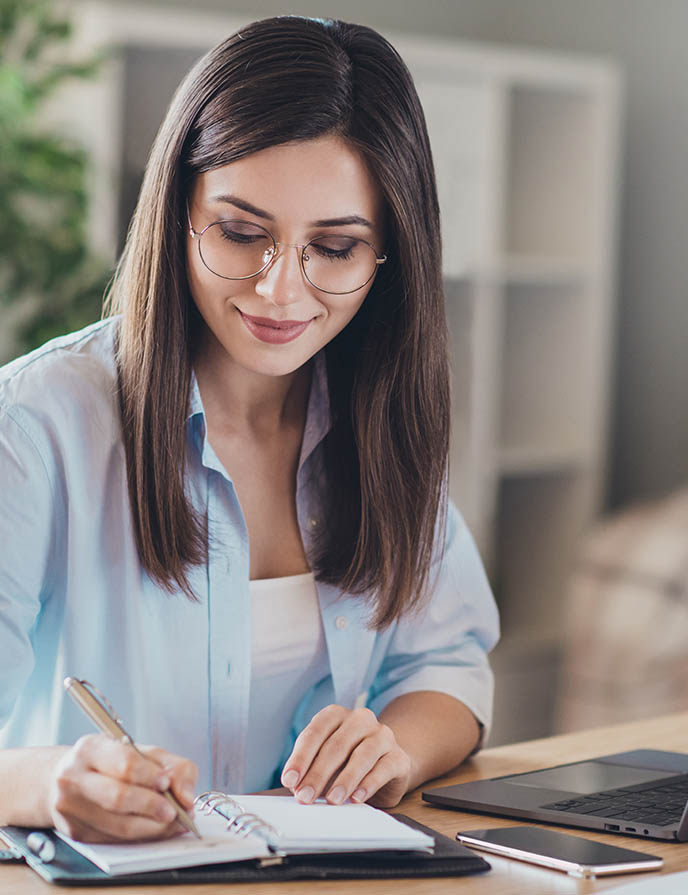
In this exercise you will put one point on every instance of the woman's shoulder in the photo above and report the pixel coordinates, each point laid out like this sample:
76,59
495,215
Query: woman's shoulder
65,381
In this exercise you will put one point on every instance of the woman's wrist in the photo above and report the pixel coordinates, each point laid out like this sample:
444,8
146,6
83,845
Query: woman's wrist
26,776
436,731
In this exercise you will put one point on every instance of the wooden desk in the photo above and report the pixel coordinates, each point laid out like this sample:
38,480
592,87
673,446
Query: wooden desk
507,877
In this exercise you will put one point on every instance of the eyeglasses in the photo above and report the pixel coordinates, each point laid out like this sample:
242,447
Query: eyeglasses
239,250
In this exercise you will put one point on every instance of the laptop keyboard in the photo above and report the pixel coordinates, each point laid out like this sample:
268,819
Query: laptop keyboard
658,804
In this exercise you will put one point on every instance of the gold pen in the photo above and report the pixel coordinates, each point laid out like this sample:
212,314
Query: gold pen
107,721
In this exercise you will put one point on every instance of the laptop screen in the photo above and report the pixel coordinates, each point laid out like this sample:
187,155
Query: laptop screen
587,777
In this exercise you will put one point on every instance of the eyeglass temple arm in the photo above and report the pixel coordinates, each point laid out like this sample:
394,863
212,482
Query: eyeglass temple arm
193,233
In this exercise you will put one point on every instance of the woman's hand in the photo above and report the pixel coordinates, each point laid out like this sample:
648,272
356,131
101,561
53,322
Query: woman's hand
103,791
347,754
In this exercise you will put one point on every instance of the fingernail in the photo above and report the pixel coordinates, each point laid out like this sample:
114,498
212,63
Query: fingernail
306,794
188,793
166,812
291,778
337,795
163,782
359,795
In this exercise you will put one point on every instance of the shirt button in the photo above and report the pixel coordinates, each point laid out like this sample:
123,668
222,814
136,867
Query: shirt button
341,622
312,522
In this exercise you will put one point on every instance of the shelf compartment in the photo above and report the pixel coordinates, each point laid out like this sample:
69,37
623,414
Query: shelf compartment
532,460
526,673
547,367
539,522
465,486
555,144
457,116
544,270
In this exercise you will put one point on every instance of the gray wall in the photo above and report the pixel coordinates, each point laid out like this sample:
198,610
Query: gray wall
648,39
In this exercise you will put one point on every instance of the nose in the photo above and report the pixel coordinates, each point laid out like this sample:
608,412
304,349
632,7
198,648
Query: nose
282,282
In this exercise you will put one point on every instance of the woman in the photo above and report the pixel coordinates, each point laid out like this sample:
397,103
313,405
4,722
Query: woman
225,505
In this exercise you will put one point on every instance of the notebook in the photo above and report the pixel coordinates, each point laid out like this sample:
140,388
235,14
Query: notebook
236,828
448,858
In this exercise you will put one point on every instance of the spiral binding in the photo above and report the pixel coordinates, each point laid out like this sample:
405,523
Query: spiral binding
242,823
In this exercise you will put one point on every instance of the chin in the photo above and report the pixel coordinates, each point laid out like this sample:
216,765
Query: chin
277,365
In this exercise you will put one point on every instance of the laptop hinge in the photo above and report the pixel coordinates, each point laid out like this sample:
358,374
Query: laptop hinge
682,832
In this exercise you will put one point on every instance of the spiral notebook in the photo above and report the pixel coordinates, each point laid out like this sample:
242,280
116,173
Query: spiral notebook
448,858
268,828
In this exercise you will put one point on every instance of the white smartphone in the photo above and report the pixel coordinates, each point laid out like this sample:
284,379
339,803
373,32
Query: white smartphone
559,851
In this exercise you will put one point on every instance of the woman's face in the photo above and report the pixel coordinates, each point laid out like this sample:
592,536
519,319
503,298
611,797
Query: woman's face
274,322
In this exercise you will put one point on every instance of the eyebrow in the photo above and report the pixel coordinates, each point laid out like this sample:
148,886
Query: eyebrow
242,204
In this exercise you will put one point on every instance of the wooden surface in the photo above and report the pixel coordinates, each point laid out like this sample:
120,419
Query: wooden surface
507,877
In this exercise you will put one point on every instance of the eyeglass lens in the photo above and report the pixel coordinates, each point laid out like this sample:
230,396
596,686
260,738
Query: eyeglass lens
237,249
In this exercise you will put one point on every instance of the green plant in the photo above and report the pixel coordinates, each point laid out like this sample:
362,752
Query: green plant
45,262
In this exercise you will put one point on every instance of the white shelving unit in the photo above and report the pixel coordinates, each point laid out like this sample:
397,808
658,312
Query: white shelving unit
530,238
526,150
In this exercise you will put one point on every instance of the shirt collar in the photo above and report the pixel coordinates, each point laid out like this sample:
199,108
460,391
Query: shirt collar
195,403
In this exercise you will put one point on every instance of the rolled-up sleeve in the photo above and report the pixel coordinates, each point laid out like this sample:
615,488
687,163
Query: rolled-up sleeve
26,539
445,646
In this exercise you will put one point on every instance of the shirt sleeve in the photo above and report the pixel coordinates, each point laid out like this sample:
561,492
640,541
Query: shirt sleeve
445,646
26,536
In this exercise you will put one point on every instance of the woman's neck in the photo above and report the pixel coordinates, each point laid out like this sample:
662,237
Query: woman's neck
240,400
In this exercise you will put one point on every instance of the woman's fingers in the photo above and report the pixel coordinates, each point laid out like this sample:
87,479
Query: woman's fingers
120,797
308,744
101,809
386,783
121,761
373,763
182,773
345,754
103,790
323,746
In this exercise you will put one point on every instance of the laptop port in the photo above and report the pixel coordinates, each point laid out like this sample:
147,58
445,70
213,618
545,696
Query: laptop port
629,829
614,827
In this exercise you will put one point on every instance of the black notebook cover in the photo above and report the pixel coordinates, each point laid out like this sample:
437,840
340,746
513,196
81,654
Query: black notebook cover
449,859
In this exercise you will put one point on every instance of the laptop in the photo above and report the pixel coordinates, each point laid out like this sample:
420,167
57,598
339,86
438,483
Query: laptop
638,793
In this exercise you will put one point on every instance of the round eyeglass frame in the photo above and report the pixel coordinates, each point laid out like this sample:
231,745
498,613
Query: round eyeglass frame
196,234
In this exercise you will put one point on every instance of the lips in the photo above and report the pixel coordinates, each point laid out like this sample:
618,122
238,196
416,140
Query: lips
276,332
274,324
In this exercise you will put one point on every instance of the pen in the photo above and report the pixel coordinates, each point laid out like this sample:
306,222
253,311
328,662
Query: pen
106,720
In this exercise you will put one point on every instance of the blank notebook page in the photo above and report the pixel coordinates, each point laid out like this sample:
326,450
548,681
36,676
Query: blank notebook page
183,851
346,827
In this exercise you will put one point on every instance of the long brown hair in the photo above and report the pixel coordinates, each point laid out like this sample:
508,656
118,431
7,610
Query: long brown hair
278,80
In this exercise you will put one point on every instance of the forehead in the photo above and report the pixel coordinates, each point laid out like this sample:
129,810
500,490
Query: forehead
308,180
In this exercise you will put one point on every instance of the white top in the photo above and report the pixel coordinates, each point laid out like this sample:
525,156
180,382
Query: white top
288,657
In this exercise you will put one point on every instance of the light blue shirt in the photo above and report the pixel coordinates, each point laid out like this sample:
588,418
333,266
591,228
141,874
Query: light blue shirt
74,599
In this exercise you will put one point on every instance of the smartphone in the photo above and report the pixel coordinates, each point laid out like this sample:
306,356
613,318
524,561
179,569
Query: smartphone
560,851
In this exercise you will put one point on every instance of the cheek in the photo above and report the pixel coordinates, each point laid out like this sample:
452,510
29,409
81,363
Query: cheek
351,313
337,318
345,312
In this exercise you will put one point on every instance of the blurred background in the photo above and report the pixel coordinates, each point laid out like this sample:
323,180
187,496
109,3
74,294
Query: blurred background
559,134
